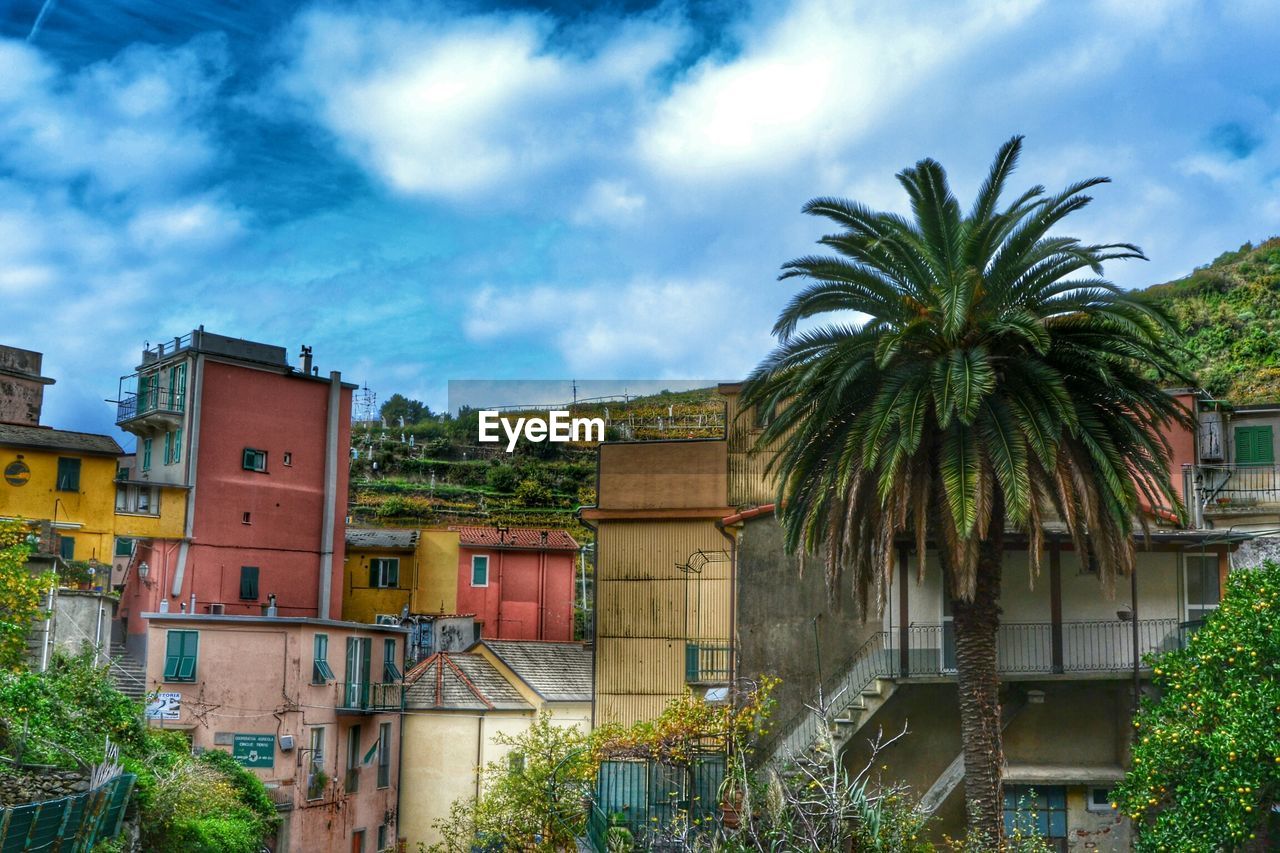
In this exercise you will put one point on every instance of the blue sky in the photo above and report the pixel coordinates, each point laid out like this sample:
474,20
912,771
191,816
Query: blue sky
435,191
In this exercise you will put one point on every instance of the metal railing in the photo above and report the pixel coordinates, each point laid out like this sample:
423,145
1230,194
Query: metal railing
705,662
1022,648
367,696
656,803
1225,488
73,824
152,401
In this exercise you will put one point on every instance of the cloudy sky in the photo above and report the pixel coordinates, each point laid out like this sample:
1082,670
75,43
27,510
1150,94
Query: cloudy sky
448,190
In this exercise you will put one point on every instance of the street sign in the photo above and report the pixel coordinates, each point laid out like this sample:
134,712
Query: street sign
164,706
255,750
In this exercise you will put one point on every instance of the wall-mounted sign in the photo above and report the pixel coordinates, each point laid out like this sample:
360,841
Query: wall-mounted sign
16,473
164,706
255,750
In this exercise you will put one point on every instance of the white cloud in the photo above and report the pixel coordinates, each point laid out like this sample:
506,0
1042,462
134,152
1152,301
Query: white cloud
457,105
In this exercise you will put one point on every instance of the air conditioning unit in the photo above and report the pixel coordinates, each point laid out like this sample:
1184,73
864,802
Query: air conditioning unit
386,619
217,609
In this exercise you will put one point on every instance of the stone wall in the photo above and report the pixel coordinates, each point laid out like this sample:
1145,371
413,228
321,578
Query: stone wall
28,785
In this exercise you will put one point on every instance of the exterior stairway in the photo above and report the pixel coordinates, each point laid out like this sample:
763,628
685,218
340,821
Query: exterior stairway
128,674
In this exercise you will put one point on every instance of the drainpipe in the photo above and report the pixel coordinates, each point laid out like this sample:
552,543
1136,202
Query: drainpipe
193,455
330,495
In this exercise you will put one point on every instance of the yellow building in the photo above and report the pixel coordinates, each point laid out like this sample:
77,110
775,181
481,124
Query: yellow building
389,572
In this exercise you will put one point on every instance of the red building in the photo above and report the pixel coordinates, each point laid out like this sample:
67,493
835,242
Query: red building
518,582
261,450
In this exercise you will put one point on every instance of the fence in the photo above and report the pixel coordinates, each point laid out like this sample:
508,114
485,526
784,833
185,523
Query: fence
657,804
68,824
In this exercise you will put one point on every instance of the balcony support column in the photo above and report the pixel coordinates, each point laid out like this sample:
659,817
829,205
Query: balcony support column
904,634
1055,603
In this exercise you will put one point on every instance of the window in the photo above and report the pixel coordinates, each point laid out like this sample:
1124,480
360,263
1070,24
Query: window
353,760
141,500
356,693
384,755
1099,800
1039,810
384,573
320,671
1254,446
168,448
67,547
315,777
68,474
146,454
124,547
287,459
246,518
1201,585
255,460
382,836
390,673
249,583
177,445
180,655
479,570
177,386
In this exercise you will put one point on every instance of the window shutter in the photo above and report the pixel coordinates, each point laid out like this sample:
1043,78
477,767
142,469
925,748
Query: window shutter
172,655
1254,445
249,582
374,579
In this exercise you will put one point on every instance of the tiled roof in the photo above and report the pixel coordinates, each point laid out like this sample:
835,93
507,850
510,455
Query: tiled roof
558,672
58,439
516,537
378,537
460,681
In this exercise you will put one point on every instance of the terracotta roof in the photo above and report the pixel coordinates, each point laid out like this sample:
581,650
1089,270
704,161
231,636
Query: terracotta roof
516,537
460,681
380,537
58,439
558,672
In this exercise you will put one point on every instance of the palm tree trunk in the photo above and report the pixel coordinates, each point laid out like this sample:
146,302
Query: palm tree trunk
976,625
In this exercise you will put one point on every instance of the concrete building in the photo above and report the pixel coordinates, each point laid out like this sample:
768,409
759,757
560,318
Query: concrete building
391,573
694,589
517,581
21,386
311,706
457,704
259,451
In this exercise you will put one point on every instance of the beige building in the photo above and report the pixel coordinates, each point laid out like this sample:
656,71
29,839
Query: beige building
694,589
312,706
457,704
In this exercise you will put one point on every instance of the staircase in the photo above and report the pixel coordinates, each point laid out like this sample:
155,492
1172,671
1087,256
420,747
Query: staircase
127,673
860,688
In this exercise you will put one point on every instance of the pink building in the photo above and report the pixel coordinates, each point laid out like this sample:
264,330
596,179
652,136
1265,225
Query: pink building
518,582
261,450
311,706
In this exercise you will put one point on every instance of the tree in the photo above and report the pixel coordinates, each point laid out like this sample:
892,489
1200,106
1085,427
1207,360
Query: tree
399,406
1206,768
995,377
21,591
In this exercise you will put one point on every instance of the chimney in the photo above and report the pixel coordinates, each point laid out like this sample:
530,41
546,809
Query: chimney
306,360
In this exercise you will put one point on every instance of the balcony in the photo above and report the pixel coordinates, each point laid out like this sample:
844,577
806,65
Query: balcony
708,662
362,697
1221,490
158,408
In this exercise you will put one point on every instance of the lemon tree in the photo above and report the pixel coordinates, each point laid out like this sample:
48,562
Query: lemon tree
20,594
1205,773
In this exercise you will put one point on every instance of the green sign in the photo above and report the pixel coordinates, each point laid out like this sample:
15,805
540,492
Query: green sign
255,750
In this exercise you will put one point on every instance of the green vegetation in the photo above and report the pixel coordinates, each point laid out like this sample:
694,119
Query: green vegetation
1206,766
1230,314
61,718
20,593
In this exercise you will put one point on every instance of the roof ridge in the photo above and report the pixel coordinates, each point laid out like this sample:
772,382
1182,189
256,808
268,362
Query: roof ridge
457,670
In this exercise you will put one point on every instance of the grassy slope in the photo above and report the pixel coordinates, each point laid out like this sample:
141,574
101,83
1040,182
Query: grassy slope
1230,313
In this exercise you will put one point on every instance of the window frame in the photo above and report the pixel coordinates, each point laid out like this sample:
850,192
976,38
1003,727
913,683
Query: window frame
316,762
1055,804
351,781
65,544
258,462
1103,807
1254,458
474,558
384,755
378,567
68,479
321,672
174,663
1196,612
249,577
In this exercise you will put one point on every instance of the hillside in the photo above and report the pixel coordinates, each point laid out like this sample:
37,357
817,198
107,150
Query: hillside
1230,314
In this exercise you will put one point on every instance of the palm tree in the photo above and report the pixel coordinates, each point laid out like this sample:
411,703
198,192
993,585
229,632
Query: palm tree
994,380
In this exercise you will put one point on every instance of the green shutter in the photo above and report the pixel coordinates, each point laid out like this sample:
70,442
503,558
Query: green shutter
177,445
168,448
67,547
146,454
1254,445
249,582
374,580
68,474
181,649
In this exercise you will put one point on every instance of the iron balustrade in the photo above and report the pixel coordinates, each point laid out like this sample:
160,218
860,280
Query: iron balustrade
165,401
705,662
370,697
1022,648
1234,487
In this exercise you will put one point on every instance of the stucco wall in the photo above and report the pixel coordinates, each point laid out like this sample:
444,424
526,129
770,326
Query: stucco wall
529,595
83,618
436,589
361,602
87,514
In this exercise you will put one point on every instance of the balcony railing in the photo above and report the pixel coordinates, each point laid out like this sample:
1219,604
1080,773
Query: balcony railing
1234,488
159,401
707,662
366,697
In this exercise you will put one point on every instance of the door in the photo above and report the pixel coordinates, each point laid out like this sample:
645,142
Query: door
356,691
357,841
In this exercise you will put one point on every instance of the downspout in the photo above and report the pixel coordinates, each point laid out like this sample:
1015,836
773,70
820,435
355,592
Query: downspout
193,458
330,495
